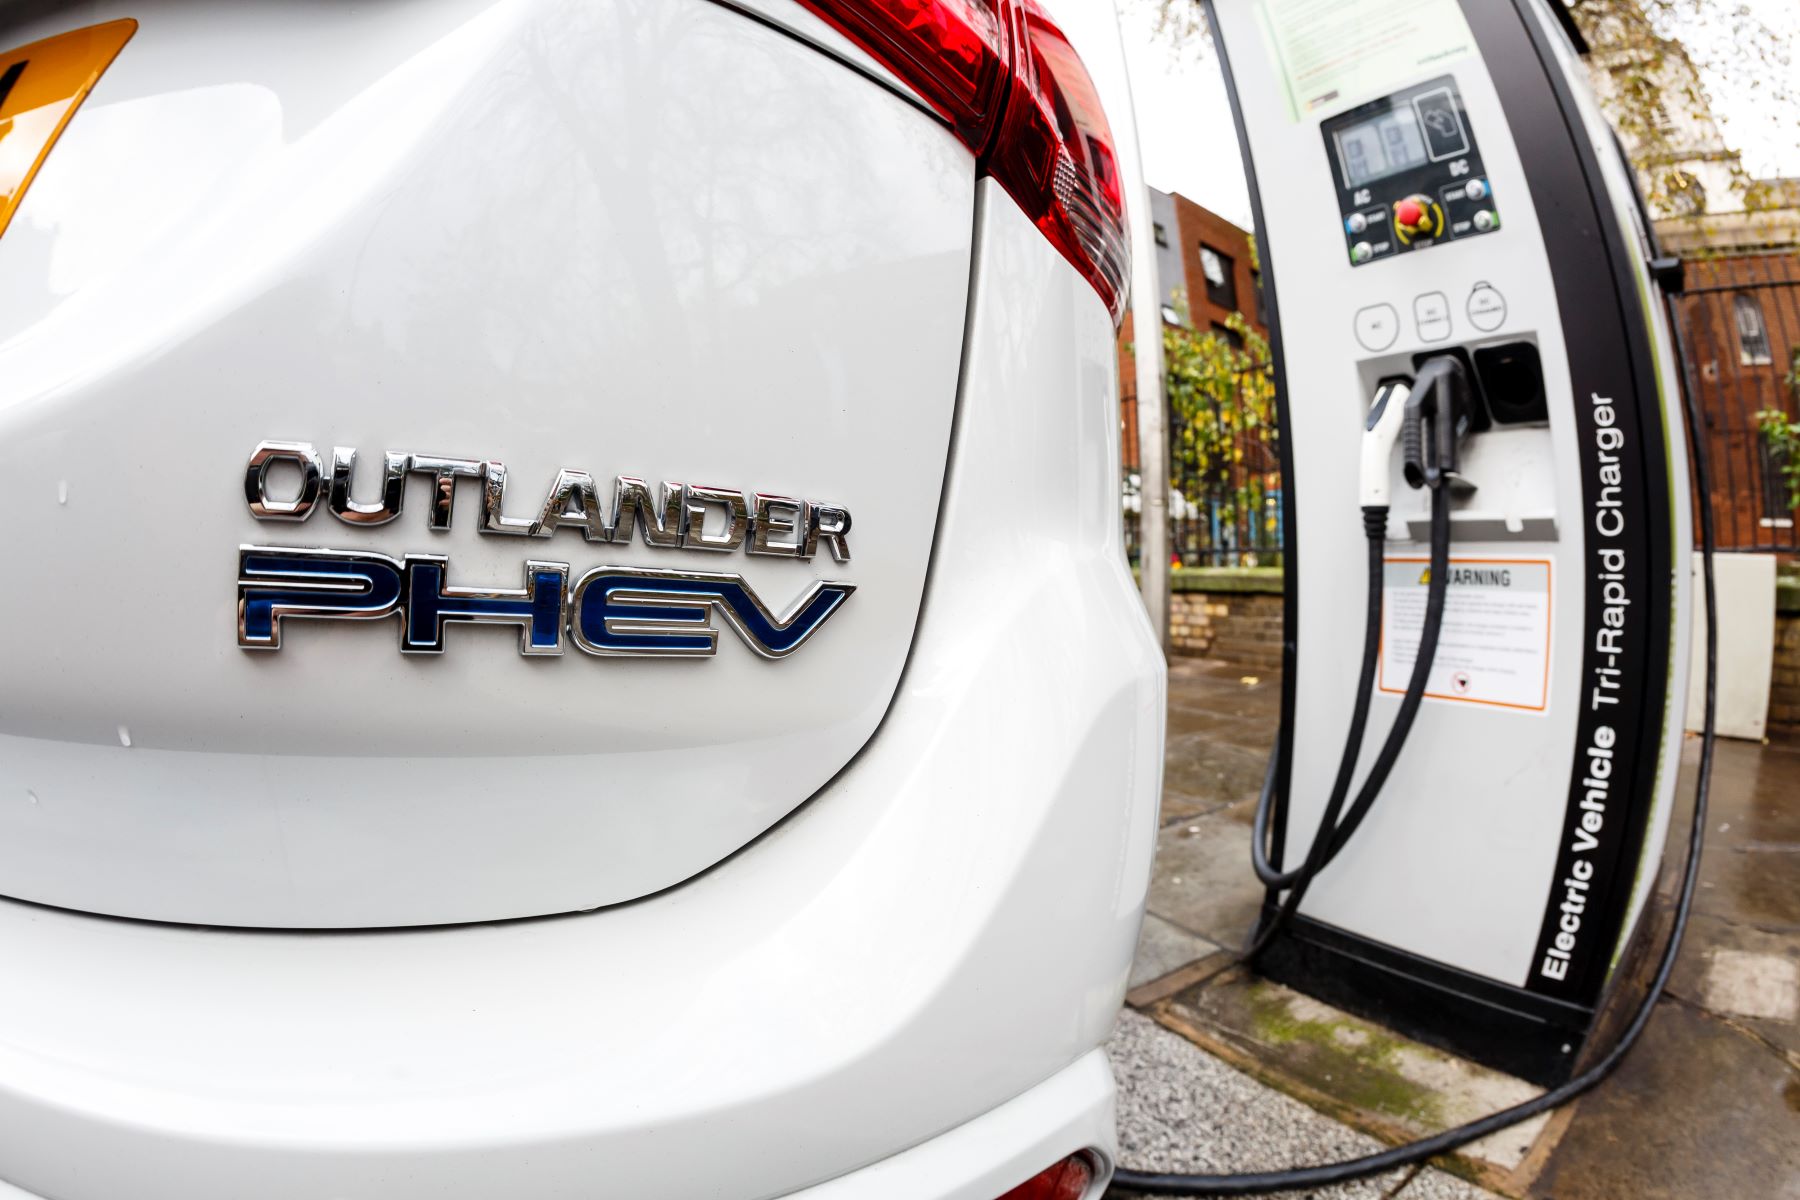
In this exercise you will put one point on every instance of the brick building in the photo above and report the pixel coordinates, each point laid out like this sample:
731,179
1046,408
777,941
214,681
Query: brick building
1205,261
1740,326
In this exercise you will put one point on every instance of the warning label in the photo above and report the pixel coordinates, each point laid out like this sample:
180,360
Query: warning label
1495,644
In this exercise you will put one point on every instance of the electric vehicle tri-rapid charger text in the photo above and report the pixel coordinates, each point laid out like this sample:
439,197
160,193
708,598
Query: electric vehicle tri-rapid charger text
750,366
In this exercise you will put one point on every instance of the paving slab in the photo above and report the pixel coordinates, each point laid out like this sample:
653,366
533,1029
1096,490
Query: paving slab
1697,1110
1204,772
1697,979
1251,731
1748,983
1182,1110
1163,949
1756,889
1202,881
1201,688
1752,872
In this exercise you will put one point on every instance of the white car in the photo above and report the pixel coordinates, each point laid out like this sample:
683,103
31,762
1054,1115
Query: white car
751,366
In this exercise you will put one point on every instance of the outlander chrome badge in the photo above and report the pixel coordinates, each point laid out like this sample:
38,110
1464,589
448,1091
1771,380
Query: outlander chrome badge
623,611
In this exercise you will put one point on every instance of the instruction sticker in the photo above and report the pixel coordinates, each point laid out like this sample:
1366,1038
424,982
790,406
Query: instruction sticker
1332,54
1494,647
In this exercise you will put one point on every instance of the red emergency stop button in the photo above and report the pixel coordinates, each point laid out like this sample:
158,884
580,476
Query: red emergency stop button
1417,216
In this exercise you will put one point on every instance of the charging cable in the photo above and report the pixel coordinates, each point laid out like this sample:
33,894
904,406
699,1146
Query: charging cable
1431,417
1261,1183
1380,434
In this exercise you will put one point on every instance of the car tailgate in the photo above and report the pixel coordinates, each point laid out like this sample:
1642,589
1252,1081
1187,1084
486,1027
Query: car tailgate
663,241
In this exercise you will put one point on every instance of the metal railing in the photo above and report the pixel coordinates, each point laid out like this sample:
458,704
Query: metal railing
1224,499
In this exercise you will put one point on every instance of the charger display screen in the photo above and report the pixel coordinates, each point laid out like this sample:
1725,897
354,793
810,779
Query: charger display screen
1386,145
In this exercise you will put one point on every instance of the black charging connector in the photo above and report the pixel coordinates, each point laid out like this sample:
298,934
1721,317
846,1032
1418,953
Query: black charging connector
1440,414
1481,404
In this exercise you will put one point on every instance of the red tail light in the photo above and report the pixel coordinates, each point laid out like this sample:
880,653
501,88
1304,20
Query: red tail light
1003,76
1054,156
1067,1180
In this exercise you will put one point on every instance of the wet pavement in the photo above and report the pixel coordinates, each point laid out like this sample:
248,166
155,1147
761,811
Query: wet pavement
1708,1104
1221,1070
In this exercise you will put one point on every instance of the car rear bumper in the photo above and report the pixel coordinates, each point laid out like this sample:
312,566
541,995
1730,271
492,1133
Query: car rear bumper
978,1160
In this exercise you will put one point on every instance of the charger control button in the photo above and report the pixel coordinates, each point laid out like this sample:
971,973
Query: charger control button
1432,313
1377,327
1487,307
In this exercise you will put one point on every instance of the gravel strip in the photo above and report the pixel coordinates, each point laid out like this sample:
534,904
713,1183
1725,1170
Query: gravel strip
1180,1109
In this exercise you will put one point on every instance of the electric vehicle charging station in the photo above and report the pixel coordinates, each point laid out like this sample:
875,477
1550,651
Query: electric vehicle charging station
1443,209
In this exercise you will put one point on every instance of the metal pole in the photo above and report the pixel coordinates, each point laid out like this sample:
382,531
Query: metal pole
1153,437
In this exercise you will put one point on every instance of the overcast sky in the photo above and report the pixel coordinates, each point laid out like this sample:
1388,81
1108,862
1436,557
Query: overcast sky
1767,136
1189,146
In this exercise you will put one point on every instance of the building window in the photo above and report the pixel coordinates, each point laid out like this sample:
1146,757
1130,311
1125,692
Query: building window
1776,512
1162,235
1753,332
1231,336
1642,90
1660,118
1171,315
1221,287
1262,301
1687,196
